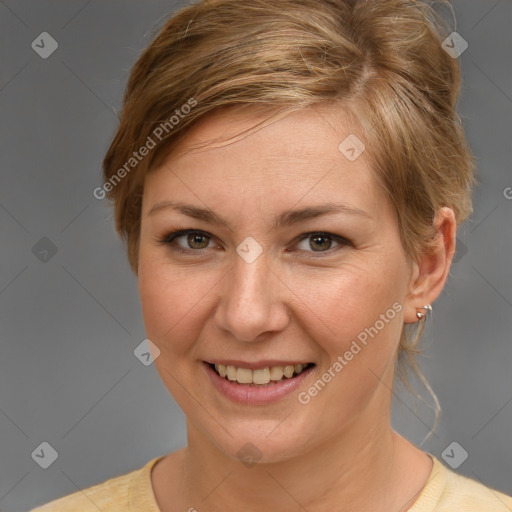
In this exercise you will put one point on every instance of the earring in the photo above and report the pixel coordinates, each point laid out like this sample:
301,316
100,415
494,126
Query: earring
427,308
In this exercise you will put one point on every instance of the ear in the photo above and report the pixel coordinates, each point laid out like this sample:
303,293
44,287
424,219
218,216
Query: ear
430,272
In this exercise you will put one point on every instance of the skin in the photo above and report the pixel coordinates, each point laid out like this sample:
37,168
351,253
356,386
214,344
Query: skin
294,303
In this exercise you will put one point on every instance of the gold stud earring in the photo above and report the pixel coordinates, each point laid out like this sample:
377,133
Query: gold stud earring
427,308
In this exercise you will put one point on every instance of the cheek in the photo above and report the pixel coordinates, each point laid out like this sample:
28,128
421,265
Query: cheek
170,302
363,310
366,308
352,299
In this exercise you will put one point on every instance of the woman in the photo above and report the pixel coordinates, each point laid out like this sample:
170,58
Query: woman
289,176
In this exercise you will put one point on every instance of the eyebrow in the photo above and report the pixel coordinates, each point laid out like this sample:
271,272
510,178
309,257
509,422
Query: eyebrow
288,218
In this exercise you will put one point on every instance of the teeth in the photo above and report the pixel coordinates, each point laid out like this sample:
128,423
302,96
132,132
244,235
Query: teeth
231,372
243,376
276,372
288,371
261,376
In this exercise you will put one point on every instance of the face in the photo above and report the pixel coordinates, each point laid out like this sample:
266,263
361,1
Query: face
269,287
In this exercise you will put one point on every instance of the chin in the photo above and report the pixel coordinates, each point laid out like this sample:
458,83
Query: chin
264,441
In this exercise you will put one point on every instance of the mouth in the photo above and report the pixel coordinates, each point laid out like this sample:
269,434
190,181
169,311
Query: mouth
260,377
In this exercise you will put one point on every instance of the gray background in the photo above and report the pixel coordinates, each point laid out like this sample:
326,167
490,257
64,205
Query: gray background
70,324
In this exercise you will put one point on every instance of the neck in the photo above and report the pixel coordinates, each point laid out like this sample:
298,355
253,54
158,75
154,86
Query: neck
356,470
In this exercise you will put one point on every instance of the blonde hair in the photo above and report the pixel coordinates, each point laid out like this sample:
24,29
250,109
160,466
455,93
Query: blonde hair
380,62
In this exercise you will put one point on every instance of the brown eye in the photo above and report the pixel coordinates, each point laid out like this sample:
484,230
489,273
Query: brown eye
197,241
320,242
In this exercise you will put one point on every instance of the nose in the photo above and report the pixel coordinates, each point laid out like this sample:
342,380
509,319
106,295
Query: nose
252,301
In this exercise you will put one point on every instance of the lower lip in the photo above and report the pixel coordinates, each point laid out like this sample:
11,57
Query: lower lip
255,395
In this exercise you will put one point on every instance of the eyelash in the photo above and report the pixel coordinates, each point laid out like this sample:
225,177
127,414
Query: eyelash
169,240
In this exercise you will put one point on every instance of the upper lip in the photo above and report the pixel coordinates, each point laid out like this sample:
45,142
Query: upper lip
256,364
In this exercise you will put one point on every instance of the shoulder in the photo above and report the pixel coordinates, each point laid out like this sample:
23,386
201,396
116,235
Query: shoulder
112,495
104,496
447,491
471,495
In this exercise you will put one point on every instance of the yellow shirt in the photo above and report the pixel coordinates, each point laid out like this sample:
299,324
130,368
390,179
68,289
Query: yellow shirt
445,491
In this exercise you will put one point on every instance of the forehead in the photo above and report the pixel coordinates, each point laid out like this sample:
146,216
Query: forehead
296,156
303,134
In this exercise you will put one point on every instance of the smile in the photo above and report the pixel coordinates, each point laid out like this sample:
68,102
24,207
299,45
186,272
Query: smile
260,376
263,384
